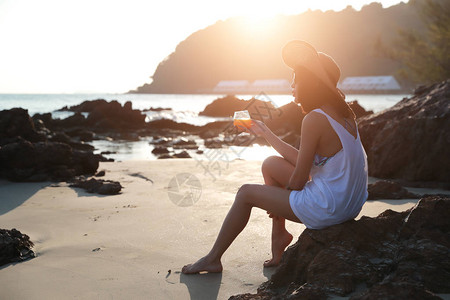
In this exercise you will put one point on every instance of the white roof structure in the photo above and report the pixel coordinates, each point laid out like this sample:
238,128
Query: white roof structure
257,86
370,83
270,85
231,86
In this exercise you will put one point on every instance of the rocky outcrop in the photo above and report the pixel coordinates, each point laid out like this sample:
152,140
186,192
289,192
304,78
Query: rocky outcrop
411,140
98,186
109,115
34,153
14,246
226,106
386,189
388,257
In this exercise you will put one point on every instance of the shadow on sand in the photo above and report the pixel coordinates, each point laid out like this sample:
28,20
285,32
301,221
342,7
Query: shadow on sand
13,194
202,286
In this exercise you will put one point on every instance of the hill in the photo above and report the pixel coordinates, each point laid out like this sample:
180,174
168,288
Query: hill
236,49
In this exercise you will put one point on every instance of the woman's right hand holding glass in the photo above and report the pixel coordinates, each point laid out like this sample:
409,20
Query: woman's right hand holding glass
258,128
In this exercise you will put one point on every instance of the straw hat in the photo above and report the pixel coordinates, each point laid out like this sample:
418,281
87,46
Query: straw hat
298,53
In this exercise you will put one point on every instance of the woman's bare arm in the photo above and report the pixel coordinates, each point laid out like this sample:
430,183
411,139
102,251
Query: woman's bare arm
311,129
287,151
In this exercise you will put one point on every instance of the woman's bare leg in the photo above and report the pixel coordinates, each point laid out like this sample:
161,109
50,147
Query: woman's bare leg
269,198
277,172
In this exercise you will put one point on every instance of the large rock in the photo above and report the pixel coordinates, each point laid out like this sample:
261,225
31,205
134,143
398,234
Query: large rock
14,246
111,115
226,106
42,161
411,140
26,155
386,189
387,257
16,122
99,186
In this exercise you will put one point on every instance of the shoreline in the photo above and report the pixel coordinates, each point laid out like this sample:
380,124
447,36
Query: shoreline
124,245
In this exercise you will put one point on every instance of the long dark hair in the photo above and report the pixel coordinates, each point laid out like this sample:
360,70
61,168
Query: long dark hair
314,93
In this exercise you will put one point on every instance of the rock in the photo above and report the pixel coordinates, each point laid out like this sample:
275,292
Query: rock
17,123
213,143
75,120
170,124
182,154
14,246
184,143
82,134
100,173
157,109
207,134
358,109
411,140
99,186
161,141
112,116
387,255
226,106
385,189
26,161
287,118
160,150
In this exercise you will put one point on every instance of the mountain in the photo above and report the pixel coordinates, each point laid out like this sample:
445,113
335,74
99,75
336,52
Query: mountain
234,49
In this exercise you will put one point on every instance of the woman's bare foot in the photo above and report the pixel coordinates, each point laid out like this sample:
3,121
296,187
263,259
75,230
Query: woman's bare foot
203,265
279,243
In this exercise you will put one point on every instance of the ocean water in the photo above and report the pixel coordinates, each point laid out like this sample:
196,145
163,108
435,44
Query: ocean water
184,108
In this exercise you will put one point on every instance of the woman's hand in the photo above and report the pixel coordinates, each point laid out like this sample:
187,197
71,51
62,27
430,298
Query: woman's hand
258,128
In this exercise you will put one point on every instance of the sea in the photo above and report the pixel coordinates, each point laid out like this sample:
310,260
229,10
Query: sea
178,107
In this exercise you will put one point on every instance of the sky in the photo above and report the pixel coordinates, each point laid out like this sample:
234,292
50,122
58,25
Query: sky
112,46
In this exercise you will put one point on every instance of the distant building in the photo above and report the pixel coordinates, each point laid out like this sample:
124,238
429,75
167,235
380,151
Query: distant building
280,86
231,86
271,86
373,84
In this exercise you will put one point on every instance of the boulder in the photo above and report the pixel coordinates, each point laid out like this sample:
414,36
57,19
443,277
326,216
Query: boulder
182,154
226,106
17,123
411,140
358,109
394,255
99,186
14,246
386,189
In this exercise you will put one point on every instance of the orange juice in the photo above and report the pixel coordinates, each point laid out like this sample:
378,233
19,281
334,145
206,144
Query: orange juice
247,123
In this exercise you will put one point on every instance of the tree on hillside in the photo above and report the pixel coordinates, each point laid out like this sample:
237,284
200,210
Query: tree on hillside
425,56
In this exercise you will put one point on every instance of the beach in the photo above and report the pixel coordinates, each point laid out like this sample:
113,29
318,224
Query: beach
133,245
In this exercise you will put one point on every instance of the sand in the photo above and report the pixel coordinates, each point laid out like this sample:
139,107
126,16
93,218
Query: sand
133,245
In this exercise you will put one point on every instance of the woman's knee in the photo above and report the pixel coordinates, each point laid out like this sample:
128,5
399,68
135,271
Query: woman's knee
244,193
269,163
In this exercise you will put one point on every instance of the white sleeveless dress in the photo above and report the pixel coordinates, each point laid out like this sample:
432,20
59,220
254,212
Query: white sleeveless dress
337,189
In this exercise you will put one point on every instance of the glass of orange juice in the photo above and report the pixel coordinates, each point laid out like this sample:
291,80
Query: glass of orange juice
242,120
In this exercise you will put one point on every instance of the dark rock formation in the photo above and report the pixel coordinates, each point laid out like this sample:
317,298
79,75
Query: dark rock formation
411,140
386,189
390,256
99,186
16,122
358,109
157,109
14,246
182,154
30,155
226,106
42,161
160,150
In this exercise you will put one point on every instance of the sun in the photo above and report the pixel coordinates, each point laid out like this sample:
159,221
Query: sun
258,25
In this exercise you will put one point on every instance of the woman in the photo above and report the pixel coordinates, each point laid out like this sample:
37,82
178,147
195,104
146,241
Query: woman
321,184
